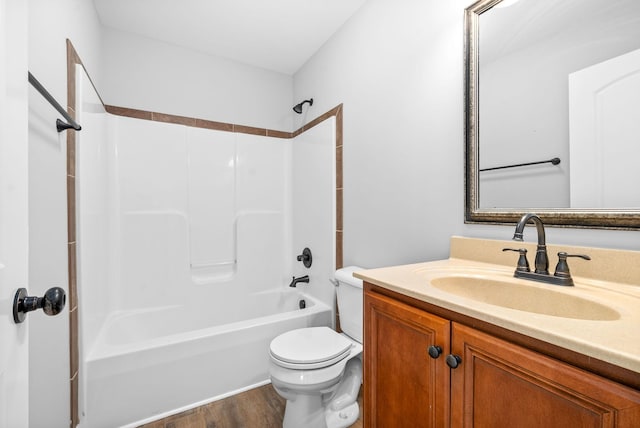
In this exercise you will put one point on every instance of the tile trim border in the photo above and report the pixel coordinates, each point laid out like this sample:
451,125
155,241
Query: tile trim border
74,418
72,60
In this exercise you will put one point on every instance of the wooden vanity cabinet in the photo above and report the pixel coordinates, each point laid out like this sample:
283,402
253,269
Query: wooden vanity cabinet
404,386
496,384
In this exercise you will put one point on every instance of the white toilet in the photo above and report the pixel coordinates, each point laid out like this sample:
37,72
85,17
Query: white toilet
319,371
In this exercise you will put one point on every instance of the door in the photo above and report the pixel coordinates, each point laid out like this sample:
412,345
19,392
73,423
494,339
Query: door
499,384
14,357
603,133
406,380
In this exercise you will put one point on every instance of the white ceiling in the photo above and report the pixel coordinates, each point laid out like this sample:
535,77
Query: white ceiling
278,35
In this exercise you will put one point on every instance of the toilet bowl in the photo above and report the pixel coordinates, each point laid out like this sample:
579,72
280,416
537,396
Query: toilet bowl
319,371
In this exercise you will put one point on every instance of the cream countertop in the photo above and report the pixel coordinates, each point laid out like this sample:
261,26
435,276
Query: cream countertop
611,278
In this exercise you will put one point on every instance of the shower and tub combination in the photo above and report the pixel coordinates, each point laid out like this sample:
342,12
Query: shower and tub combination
187,243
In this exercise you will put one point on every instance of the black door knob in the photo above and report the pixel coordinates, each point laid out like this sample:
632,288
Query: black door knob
51,303
453,361
434,351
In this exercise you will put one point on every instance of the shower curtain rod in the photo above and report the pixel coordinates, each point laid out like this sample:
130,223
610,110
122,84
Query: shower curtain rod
60,125
554,161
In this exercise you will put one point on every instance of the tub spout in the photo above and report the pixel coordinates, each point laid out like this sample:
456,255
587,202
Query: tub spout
295,280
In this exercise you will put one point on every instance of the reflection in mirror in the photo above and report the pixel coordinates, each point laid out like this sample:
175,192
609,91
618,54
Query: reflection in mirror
549,80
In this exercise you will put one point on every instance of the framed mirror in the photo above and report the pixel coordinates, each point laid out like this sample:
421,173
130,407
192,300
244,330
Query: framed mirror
552,106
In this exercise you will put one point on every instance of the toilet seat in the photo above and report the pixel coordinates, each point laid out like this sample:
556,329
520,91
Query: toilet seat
309,348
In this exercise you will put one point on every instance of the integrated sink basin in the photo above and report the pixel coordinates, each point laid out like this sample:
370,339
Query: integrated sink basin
516,295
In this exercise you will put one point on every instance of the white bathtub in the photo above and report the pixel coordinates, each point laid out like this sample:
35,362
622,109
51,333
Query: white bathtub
152,363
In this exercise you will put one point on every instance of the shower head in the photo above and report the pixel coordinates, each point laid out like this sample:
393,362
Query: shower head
298,107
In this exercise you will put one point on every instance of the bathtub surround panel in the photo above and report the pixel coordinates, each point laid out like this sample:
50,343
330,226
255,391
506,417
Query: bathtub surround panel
261,245
92,185
211,156
92,182
151,164
191,203
154,260
313,211
151,210
261,173
160,184
335,113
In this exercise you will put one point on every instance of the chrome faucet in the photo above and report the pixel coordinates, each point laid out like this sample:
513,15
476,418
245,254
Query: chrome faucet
562,276
542,259
295,280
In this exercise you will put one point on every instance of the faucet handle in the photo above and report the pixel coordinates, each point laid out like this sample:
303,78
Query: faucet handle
305,258
523,263
562,268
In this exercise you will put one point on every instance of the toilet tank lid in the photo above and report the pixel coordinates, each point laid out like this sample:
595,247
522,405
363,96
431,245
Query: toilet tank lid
345,275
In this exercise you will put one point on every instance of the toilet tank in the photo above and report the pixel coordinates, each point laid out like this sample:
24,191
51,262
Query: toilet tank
350,302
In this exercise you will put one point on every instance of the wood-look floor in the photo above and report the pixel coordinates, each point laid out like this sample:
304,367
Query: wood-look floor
257,408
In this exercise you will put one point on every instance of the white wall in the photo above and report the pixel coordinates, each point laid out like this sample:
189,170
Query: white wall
50,24
398,69
49,381
150,75
14,226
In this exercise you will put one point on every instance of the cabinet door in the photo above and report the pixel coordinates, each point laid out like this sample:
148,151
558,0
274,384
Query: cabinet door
404,386
499,384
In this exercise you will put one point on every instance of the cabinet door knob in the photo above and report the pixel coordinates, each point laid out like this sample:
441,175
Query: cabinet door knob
453,361
434,351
